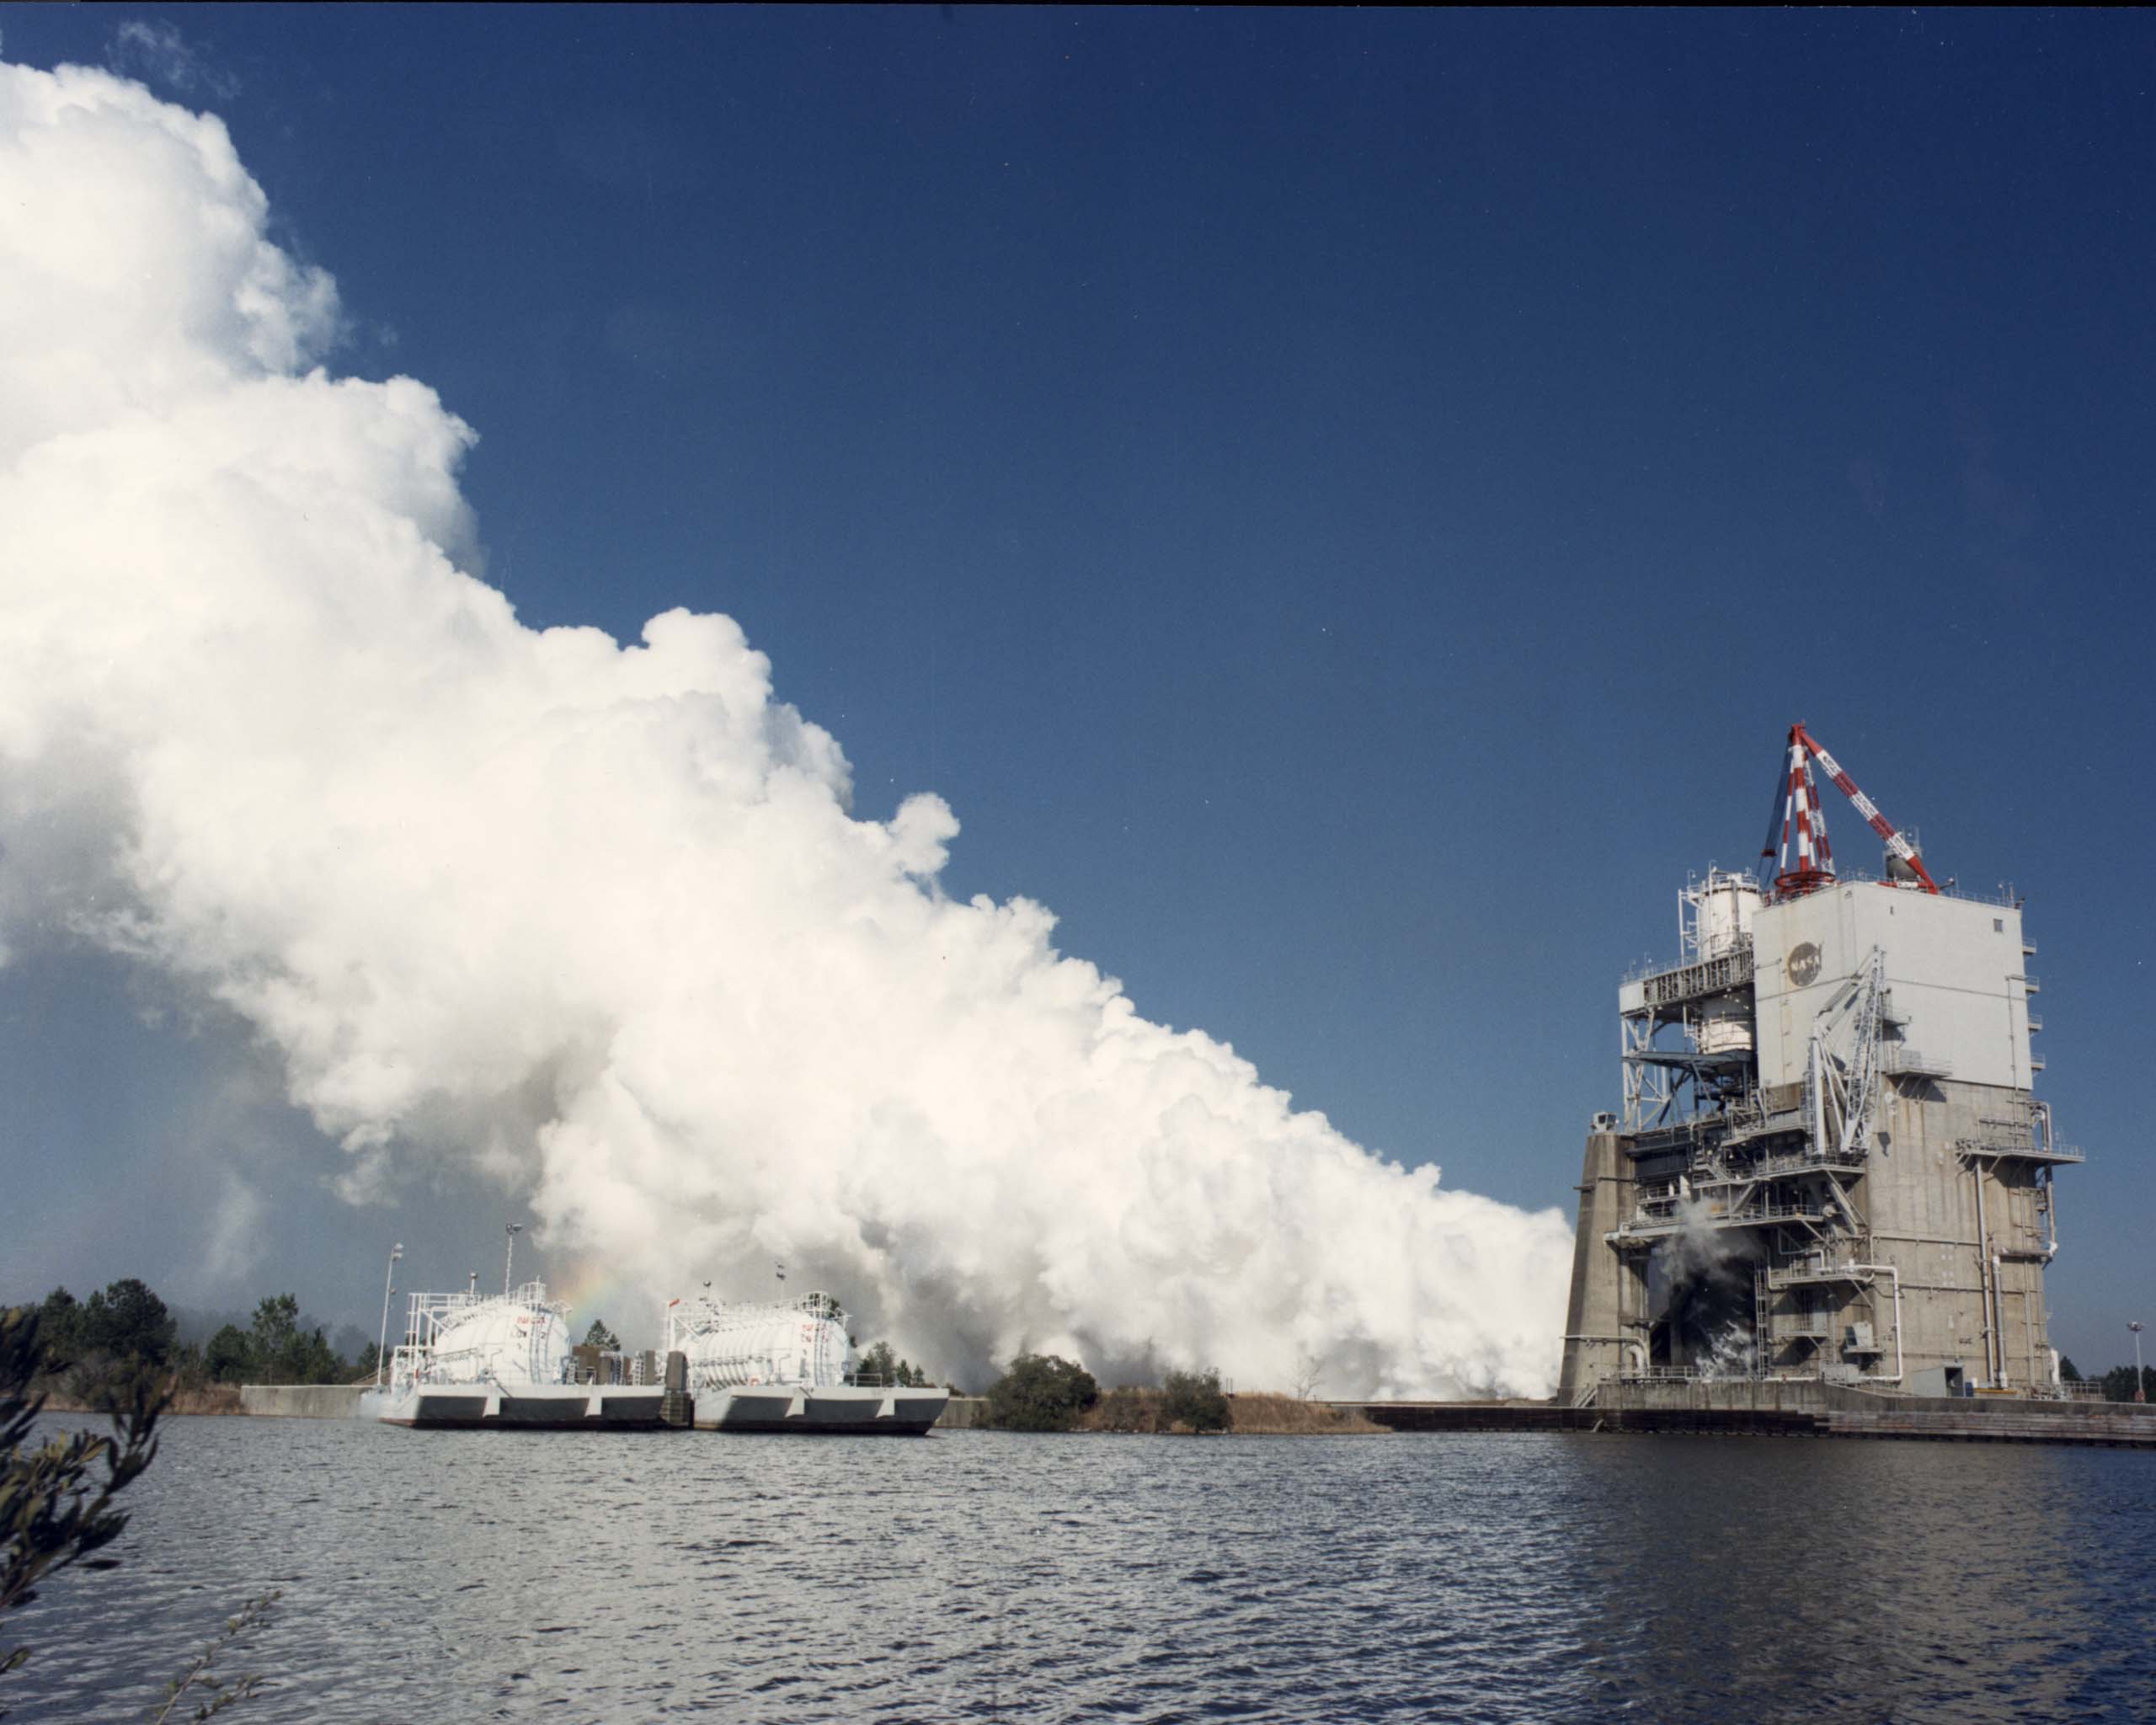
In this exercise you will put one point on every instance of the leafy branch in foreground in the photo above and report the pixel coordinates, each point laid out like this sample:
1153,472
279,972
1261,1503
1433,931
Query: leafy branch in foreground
54,1512
218,1693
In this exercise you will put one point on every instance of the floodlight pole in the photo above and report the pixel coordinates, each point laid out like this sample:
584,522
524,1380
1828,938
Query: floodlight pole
509,1257
381,1347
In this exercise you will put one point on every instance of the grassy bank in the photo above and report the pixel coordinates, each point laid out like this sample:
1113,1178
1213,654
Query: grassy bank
207,1398
1252,1414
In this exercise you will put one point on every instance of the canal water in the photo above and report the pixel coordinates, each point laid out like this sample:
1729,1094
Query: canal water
976,1575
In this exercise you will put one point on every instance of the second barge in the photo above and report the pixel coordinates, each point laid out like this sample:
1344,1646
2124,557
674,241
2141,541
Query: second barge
788,1368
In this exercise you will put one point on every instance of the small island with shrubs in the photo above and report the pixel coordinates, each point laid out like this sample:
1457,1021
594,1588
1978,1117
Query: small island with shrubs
1044,1392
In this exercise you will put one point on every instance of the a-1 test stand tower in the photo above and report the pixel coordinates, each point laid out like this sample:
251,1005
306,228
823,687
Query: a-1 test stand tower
1830,1164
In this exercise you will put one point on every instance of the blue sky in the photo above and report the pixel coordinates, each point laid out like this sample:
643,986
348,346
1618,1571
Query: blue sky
1344,507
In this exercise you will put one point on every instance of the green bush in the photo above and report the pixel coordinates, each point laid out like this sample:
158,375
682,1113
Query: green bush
1194,1399
1041,1392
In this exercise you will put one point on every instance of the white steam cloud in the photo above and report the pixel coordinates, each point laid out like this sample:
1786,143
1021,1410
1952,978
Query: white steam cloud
596,919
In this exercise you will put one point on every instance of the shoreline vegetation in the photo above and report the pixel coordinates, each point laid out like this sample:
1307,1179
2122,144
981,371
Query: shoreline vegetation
1135,1411
1251,1413
212,1399
1044,1392
98,1354
94,1354
1132,1411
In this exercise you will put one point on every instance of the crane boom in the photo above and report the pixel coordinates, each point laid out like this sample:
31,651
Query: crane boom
1896,845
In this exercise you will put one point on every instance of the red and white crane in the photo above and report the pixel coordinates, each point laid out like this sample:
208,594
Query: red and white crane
1804,860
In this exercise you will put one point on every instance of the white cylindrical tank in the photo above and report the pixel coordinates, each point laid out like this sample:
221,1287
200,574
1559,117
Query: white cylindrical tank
1724,1026
1726,905
506,1341
737,1347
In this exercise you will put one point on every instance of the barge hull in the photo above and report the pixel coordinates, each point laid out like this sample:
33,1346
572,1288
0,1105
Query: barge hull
836,1412
568,1407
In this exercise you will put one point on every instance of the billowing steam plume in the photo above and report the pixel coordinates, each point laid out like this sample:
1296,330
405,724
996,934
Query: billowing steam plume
596,919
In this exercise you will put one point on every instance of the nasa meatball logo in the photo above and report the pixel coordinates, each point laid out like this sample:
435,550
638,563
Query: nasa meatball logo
1804,965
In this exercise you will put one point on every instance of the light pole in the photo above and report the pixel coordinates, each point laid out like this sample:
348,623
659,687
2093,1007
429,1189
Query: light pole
510,1256
381,1347
2139,1393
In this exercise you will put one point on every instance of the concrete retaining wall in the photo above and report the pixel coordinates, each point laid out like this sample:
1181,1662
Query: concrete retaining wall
1835,1410
1743,1408
302,1401
961,1413
1747,1395
1473,1416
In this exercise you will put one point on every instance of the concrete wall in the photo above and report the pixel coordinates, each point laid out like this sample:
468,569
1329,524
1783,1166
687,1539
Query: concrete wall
1608,1300
1938,1221
961,1412
1728,1394
302,1401
1829,1410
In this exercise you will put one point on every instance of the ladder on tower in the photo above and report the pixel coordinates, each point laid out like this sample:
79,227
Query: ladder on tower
1763,1300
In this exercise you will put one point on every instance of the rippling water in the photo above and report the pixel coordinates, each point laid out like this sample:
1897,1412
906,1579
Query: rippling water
977,1575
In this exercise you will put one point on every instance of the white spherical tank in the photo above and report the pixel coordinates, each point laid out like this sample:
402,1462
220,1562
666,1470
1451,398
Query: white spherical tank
505,1342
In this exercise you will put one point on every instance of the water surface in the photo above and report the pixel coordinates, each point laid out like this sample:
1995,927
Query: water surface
978,1575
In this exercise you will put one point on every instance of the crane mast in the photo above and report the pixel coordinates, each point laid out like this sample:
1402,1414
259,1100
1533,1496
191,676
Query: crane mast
1806,861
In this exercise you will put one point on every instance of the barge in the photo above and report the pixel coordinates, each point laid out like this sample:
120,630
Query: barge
475,1360
788,1367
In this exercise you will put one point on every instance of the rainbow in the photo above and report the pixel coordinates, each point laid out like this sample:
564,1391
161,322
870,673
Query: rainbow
592,1288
